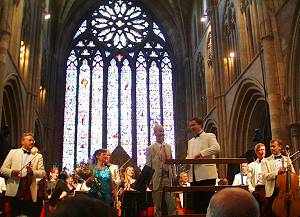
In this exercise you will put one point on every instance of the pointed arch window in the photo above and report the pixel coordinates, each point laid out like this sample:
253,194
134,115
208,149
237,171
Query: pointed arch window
230,42
118,83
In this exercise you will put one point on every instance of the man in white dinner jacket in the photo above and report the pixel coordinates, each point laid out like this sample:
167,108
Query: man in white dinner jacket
273,166
22,168
202,145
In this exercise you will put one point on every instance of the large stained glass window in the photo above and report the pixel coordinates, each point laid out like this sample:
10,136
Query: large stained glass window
118,84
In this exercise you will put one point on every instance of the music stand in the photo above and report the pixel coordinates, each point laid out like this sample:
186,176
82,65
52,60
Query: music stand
144,179
142,183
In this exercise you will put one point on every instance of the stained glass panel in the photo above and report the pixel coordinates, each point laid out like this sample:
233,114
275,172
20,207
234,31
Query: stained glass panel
97,106
154,97
83,120
167,99
126,120
70,106
112,106
141,110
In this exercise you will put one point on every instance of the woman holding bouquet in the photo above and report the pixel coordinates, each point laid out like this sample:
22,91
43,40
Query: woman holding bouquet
101,181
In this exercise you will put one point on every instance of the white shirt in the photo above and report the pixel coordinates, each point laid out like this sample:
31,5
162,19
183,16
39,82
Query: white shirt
2,184
255,175
278,163
238,180
181,194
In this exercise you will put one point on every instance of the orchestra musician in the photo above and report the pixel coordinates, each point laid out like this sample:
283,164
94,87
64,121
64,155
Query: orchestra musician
53,179
22,168
129,205
272,167
256,183
64,188
241,178
183,182
129,179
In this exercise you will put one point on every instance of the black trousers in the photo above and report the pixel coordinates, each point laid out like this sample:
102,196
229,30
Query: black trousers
201,198
20,206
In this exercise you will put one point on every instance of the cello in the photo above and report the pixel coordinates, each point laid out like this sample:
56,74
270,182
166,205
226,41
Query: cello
287,203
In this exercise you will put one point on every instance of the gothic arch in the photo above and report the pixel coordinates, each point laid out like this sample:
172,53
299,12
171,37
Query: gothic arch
13,110
249,112
211,127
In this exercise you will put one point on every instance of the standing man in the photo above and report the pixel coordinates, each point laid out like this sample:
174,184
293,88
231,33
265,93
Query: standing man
272,167
202,145
156,154
255,176
22,168
256,183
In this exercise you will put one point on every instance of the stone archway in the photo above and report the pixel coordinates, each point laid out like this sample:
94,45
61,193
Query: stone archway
12,117
249,112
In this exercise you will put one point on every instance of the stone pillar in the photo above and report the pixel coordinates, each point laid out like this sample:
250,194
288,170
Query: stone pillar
219,88
271,72
219,76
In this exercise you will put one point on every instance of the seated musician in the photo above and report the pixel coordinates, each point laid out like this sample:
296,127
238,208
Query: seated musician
129,179
52,180
241,178
183,182
129,204
64,188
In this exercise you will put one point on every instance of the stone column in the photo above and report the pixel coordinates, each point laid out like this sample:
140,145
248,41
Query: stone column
219,76
271,72
219,88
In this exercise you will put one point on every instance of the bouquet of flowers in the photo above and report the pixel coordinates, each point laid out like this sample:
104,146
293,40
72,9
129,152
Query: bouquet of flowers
96,188
84,170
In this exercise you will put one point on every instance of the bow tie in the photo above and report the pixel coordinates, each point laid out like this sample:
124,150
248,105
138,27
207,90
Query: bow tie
278,157
26,152
198,135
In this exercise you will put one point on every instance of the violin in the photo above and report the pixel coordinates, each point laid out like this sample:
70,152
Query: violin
287,202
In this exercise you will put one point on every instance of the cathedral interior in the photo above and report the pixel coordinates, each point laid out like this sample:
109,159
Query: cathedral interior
87,74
